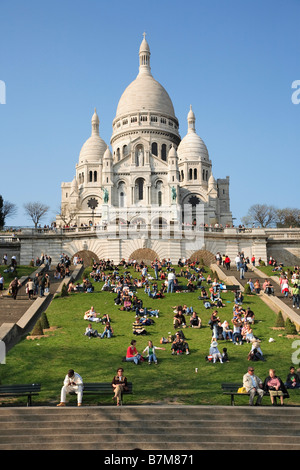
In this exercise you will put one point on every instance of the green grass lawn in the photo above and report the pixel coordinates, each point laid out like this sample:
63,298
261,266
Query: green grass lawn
20,271
268,270
173,380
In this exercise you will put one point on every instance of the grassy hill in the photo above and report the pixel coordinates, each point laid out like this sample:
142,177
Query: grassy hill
46,360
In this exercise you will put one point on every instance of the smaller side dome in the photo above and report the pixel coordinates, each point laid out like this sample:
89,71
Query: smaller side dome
192,146
107,154
94,147
74,186
172,152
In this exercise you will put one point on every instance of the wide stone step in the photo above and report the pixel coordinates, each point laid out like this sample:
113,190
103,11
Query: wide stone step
184,436
191,434
159,428
260,427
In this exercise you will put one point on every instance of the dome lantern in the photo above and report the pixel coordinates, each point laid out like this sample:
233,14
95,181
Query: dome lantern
144,54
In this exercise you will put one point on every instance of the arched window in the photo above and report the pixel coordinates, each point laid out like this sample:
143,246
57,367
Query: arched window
125,151
95,176
154,149
195,174
164,152
190,174
159,198
139,189
90,177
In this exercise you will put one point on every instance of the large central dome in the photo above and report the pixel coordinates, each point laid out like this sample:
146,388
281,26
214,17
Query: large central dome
145,94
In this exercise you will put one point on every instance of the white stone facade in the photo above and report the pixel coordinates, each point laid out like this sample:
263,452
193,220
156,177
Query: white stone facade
148,166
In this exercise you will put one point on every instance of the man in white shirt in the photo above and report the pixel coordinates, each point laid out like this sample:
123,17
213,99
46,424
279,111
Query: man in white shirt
72,383
253,385
171,278
238,262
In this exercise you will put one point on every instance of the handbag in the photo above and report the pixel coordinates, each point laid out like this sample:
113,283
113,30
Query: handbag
242,390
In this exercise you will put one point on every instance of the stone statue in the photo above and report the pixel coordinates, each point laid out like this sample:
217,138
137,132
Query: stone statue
140,158
174,194
105,196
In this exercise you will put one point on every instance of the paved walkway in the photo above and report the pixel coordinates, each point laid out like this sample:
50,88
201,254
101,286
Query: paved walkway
12,310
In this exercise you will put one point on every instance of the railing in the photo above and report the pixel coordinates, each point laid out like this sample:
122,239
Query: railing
113,228
105,230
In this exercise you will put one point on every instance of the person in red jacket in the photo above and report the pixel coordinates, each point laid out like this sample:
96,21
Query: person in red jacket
132,354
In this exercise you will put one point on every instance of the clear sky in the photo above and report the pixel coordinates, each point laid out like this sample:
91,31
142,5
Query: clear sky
233,60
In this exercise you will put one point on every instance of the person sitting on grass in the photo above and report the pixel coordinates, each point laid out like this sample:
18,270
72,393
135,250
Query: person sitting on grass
179,320
151,352
179,345
90,332
108,331
91,315
132,354
292,380
214,351
195,321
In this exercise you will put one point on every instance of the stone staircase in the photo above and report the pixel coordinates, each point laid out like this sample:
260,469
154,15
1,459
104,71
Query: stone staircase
160,428
277,302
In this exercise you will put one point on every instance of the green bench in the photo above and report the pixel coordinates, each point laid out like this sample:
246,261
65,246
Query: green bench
28,390
102,388
232,390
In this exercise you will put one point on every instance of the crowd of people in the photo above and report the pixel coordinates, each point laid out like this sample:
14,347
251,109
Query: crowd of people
239,329
157,280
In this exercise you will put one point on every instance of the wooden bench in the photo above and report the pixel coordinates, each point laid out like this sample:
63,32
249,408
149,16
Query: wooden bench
102,388
28,390
232,390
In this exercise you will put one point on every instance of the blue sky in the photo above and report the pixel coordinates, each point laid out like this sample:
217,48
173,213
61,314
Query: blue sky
234,61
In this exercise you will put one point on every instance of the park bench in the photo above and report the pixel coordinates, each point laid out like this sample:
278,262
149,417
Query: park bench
102,388
232,390
28,390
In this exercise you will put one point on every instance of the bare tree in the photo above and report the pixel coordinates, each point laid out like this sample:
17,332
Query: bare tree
66,215
36,211
7,209
288,217
261,215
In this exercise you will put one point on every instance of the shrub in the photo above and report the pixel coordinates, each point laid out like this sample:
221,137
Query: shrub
279,320
290,327
37,330
247,289
44,321
64,291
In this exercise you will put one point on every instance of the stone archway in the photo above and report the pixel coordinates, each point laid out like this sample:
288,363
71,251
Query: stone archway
144,254
87,256
203,255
